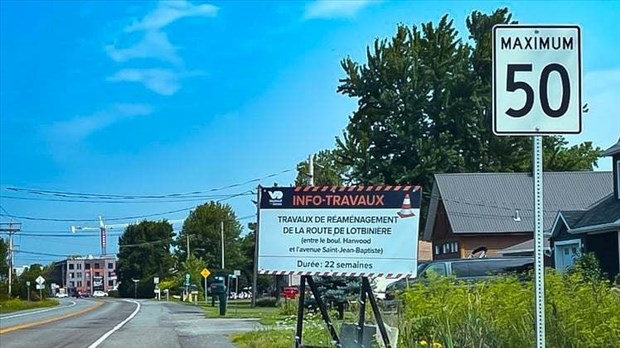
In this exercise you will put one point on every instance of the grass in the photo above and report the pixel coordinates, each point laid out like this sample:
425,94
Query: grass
243,309
7,306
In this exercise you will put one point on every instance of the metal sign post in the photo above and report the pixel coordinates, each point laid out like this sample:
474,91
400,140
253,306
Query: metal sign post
536,92
539,265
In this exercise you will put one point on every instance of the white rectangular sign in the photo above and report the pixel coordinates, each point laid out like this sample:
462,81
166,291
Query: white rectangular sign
536,79
347,231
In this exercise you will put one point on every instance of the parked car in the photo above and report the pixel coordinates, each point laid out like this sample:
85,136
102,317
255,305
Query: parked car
290,292
100,293
61,294
465,270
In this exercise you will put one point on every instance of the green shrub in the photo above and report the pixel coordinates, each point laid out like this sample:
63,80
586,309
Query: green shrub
266,302
288,307
581,311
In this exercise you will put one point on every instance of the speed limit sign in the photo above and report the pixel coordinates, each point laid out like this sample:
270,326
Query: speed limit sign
536,79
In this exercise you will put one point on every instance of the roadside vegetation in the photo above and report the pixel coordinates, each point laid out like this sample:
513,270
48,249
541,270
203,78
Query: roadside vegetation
582,310
16,304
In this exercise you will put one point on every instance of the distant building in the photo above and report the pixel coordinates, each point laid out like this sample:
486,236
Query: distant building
87,274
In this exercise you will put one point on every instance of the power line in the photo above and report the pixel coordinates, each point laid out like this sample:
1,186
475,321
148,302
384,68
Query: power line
36,218
120,201
191,194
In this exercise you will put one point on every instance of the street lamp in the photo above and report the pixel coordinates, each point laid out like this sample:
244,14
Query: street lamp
135,287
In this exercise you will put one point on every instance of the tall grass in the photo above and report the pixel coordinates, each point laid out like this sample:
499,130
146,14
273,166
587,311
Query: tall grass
580,312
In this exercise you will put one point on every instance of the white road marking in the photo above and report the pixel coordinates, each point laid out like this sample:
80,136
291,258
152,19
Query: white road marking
117,327
35,312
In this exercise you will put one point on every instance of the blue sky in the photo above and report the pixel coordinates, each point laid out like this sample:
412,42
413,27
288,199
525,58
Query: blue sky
151,98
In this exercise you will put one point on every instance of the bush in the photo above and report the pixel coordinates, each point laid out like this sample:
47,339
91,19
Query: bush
288,307
581,311
266,302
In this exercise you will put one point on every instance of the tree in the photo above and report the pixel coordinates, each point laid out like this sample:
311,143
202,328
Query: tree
29,275
4,260
144,252
424,107
203,229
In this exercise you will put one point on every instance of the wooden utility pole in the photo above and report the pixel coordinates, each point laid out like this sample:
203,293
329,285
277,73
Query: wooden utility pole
11,228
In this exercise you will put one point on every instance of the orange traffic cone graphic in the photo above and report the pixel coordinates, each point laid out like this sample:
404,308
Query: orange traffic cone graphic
405,210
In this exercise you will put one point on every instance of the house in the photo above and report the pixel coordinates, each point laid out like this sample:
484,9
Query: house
594,229
495,210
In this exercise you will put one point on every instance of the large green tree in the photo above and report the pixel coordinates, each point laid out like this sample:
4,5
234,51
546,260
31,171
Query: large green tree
424,107
144,252
203,230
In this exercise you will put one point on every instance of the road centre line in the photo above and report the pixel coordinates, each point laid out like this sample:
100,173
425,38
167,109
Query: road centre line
50,320
35,312
117,327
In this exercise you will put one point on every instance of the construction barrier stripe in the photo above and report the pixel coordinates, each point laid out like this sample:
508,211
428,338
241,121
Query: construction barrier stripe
342,274
358,188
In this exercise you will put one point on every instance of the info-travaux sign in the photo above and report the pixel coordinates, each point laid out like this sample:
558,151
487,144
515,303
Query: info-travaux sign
346,231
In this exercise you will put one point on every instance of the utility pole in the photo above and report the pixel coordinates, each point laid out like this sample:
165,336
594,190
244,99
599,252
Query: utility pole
222,230
11,228
255,275
311,170
187,238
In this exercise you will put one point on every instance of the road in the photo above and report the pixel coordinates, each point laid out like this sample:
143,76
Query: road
120,323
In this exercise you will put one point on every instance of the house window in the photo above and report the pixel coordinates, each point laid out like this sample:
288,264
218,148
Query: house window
97,274
79,266
446,248
437,249
78,275
71,266
79,284
71,275
88,266
565,253
71,284
88,283
110,283
97,265
110,265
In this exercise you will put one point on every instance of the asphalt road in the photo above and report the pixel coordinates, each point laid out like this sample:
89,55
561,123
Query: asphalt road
123,323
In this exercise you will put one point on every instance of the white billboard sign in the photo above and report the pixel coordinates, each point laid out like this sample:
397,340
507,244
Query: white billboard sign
346,231
536,79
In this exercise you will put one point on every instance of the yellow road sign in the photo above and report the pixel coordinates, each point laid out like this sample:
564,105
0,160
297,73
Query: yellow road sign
205,272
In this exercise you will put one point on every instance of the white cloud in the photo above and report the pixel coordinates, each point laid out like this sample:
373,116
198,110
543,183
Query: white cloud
154,44
81,127
160,81
168,12
324,9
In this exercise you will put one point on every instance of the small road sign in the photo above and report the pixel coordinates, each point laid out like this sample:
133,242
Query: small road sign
187,279
156,280
536,79
40,286
205,272
40,280
237,272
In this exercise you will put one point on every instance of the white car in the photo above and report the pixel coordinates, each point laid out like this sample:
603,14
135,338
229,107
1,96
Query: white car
60,295
100,293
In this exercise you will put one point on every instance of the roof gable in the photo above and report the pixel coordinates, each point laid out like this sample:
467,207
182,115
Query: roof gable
488,202
615,149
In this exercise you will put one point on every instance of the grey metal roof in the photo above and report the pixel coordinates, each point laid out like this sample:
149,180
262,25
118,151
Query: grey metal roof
488,202
613,150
